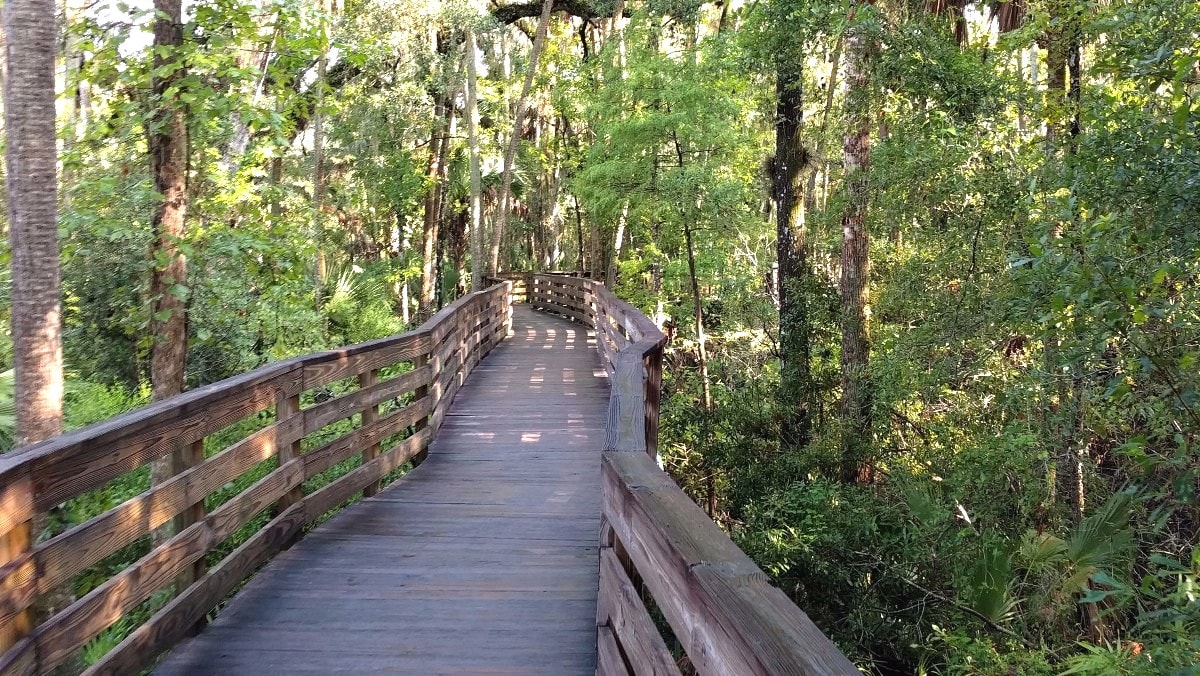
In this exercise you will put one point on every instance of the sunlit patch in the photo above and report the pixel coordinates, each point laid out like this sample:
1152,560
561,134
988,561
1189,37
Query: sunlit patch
530,437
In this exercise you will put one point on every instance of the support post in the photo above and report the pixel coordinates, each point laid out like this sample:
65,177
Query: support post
418,394
370,415
287,407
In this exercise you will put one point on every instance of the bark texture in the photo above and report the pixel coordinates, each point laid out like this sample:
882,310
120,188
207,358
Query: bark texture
29,31
791,159
857,391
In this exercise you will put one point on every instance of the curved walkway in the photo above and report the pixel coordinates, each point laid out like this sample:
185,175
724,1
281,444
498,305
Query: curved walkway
482,560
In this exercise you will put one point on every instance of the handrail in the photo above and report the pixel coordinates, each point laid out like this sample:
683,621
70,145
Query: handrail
657,544
439,355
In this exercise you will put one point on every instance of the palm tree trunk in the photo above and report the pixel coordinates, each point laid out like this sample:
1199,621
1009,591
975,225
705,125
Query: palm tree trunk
32,182
510,155
33,218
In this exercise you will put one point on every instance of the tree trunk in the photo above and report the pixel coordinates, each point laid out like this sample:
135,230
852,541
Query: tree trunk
510,155
857,392
610,279
318,171
476,196
791,159
437,158
31,161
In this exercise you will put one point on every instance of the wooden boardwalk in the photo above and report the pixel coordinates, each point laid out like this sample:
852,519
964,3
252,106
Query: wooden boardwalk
481,560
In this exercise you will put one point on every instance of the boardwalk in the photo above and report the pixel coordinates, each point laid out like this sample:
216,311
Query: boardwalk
482,560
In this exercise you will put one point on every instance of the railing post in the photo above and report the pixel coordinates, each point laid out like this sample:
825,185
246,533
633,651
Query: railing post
15,554
186,458
653,370
287,407
369,415
421,392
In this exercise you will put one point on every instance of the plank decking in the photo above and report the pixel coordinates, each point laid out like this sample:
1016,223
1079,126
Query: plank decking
481,560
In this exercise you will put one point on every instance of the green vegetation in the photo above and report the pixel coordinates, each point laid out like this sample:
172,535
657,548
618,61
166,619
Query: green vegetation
978,456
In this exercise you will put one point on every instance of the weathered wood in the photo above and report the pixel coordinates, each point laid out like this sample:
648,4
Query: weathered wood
719,604
66,632
67,466
16,502
610,661
73,551
175,620
369,415
18,587
339,490
366,397
192,513
287,409
15,556
327,367
19,660
71,629
626,429
320,459
621,609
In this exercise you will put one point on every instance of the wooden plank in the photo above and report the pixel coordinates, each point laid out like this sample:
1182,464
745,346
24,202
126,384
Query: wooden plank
60,636
326,367
610,662
71,629
18,587
20,660
321,459
175,620
80,461
368,396
73,551
193,512
16,502
339,490
623,611
719,604
625,430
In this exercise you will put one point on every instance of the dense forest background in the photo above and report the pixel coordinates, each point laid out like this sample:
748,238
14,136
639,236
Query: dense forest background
929,267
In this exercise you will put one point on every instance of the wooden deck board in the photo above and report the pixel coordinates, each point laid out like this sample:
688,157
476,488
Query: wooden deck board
481,561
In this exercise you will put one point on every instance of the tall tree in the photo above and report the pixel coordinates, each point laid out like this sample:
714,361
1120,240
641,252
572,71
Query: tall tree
791,158
857,390
476,189
168,144
31,160
318,170
510,155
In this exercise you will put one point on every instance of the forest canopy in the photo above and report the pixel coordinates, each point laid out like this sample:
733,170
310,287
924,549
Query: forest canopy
930,269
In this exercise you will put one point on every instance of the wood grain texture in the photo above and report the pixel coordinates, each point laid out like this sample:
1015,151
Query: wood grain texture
621,608
481,559
721,607
610,662
74,550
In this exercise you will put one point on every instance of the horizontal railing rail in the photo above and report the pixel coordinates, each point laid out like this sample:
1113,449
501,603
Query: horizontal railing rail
402,387
657,547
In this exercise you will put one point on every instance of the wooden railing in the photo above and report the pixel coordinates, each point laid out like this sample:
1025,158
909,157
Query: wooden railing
657,547
404,387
